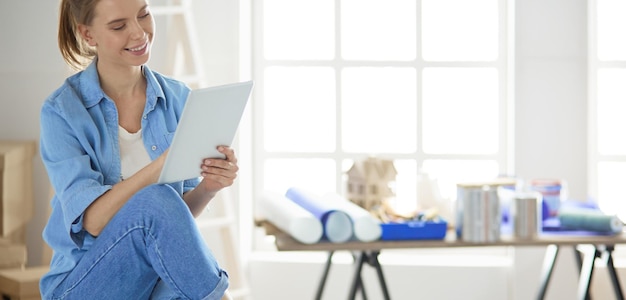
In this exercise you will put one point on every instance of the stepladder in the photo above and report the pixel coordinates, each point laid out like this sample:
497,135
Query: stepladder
218,225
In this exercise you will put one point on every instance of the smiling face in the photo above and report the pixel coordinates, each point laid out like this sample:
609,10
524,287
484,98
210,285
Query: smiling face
122,32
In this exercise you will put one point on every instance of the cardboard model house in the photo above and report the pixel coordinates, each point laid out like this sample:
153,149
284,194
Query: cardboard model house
371,181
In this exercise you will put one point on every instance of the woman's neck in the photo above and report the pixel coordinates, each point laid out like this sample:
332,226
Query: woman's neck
121,83
126,86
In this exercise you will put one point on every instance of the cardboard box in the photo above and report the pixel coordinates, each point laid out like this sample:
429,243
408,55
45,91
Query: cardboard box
17,236
16,185
12,255
21,284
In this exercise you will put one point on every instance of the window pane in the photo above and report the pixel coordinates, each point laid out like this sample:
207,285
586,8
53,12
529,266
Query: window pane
316,175
460,111
611,108
299,29
450,172
611,24
406,192
454,30
379,110
611,188
299,109
378,29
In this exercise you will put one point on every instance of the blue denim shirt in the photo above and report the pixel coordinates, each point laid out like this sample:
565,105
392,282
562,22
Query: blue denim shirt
80,149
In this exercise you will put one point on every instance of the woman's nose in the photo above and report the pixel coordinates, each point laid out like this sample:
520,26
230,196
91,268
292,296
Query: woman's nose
137,31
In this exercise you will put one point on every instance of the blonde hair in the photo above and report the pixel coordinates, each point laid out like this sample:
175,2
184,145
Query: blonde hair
75,51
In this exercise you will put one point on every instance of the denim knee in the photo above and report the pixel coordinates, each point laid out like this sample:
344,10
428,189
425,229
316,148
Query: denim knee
157,202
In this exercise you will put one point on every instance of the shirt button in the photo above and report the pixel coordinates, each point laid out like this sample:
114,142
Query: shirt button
145,117
153,147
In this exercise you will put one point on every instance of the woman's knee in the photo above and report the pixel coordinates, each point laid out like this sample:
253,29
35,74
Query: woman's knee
158,201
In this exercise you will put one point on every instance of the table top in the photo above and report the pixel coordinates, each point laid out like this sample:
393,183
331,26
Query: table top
284,242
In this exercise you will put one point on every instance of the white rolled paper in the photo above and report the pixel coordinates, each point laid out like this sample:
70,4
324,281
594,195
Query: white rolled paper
290,217
366,227
338,227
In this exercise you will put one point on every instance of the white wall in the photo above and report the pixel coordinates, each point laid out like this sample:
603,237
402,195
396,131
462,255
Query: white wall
30,69
551,116
550,130
551,93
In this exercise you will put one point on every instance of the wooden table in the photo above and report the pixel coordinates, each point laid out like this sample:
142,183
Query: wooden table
367,253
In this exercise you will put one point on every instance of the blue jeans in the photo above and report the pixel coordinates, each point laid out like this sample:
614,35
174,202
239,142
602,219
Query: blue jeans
153,238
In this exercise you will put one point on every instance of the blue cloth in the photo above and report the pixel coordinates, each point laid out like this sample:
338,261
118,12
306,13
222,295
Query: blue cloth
80,150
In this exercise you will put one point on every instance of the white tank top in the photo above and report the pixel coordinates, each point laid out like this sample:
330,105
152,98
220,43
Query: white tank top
132,151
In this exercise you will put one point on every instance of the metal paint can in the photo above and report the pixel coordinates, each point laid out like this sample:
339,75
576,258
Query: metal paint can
478,213
526,215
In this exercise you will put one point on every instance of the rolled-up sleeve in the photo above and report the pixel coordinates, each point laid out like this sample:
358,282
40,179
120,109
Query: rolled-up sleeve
77,180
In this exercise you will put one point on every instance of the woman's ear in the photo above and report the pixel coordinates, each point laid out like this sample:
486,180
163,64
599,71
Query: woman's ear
85,33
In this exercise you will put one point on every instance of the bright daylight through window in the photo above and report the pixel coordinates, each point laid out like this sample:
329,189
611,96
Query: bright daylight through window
607,76
422,83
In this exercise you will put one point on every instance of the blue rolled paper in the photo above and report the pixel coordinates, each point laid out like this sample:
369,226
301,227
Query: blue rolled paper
336,223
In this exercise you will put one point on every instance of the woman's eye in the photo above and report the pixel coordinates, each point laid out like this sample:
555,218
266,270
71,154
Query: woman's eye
144,15
119,27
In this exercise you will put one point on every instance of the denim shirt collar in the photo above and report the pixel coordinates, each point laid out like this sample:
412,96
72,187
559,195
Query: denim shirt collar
90,85
154,91
92,91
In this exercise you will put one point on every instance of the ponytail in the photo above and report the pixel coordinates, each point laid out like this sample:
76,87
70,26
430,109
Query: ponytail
75,51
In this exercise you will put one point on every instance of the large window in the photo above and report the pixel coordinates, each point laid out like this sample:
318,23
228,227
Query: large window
425,83
607,103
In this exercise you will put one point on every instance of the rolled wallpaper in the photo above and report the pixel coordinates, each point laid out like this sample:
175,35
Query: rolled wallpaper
290,217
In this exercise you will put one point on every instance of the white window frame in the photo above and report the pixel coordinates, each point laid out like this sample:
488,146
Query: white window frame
594,157
504,64
592,71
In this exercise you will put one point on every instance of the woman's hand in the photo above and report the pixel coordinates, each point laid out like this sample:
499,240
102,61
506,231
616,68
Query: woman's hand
219,173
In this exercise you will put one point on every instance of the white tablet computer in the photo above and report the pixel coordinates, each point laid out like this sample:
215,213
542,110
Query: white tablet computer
210,118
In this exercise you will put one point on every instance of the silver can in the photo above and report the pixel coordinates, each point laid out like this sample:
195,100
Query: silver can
478,213
526,215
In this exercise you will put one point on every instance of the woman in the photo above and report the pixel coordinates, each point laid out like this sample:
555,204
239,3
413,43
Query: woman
104,134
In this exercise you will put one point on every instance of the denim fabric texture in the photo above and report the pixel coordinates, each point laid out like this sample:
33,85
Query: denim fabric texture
153,236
